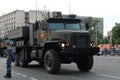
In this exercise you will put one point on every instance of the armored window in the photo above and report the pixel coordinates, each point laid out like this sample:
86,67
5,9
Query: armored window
56,26
73,26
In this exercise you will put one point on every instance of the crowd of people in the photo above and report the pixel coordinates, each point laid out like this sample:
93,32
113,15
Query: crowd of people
112,51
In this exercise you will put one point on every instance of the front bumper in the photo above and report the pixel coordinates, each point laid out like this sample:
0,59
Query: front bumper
80,51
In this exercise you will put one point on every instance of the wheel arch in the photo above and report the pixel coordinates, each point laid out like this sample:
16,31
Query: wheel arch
50,45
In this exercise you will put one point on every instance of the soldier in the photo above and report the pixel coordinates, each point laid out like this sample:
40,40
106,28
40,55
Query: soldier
8,61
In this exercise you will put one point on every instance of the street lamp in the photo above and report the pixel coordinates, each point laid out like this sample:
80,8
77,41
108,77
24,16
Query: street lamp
111,38
36,11
93,28
96,36
0,33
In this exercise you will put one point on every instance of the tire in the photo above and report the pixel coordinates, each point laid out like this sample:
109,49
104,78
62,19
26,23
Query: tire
52,62
85,64
16,60
22,61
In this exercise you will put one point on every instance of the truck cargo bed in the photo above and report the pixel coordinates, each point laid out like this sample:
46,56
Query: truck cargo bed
19,33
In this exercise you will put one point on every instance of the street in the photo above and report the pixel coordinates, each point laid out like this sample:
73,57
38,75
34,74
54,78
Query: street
105,68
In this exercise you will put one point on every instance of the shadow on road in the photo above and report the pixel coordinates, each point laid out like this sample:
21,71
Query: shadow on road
35,66
64,71
73,72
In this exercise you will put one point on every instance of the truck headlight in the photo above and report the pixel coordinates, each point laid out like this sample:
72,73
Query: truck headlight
62,45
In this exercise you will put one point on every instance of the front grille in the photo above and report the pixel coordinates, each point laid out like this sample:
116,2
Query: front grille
80,40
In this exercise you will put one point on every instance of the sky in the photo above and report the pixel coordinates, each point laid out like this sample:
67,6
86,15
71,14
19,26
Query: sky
109,10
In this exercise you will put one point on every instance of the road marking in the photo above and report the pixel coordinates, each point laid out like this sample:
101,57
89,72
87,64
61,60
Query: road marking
24,75
115,77
13,71
18,73
33,79
4,69
108,65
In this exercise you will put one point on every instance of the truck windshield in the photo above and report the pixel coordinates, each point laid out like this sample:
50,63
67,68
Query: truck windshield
61,26
56,26
73,26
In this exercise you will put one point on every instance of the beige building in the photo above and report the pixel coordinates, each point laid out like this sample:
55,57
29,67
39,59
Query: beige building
11,21
19,18
37,15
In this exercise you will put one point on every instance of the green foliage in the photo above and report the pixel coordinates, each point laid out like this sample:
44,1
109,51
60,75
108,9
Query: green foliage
106,40
117,41
116,33
93,23
99,39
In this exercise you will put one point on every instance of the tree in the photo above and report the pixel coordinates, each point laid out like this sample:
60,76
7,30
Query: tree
90,22
116,34
91,26
105,40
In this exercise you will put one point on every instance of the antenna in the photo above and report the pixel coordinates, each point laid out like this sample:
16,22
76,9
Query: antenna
69,7
36,10
45,11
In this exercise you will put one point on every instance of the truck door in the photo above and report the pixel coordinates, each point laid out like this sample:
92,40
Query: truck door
42,34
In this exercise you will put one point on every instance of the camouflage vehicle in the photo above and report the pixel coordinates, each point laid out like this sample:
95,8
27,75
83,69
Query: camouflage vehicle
53,42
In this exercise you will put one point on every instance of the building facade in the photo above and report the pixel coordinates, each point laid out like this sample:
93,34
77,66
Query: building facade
11,21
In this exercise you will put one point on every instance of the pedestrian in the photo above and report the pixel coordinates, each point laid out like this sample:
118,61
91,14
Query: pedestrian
8,61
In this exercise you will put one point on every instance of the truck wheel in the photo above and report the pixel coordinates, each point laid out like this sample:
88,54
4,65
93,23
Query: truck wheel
85,64
52,62
16,60
22,62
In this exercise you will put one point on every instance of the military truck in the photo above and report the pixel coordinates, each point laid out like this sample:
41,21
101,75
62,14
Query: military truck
53,42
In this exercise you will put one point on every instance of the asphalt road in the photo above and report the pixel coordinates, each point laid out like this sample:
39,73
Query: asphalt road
105,68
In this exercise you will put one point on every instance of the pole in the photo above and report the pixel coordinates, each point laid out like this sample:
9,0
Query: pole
36,10
69,7
96,35
111,38
0,32
45,15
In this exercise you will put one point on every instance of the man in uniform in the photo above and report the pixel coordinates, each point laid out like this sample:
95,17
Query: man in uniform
8,61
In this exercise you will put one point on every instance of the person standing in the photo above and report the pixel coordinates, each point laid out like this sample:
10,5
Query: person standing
8,61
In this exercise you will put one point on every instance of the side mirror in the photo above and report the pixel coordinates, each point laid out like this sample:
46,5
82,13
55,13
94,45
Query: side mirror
87,26
44,28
